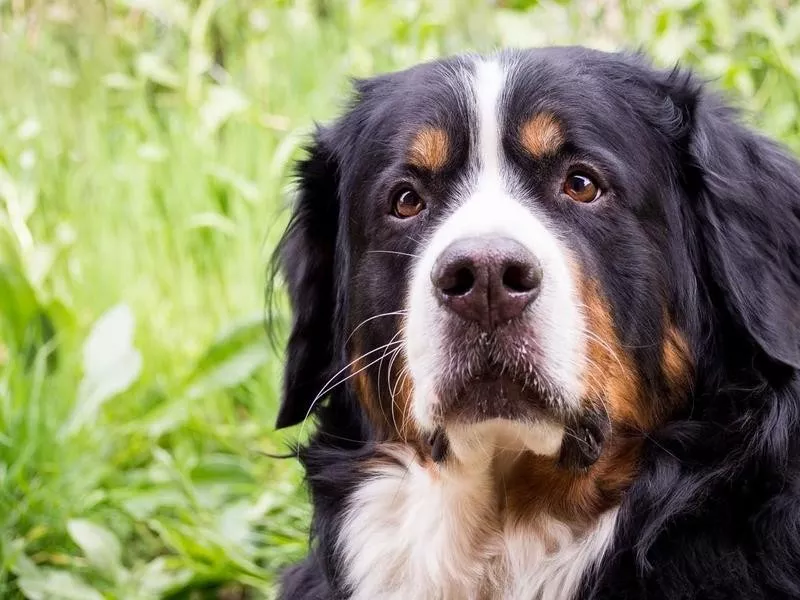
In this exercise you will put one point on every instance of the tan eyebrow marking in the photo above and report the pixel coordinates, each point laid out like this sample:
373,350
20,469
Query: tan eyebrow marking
542,135
429,149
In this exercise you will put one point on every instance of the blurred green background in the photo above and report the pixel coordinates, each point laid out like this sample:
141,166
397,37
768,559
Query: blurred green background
145,148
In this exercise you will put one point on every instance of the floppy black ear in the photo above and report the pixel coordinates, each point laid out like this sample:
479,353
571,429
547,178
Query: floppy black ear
748,194
306,255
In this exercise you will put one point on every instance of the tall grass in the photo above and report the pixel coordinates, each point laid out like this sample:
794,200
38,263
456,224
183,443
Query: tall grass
144,155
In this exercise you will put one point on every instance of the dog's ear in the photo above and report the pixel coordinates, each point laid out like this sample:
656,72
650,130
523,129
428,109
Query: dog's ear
306,258
747,194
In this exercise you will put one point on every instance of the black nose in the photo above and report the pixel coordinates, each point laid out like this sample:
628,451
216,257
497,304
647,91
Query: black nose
487,280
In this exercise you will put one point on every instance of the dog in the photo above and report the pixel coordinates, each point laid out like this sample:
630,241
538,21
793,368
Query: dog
546,319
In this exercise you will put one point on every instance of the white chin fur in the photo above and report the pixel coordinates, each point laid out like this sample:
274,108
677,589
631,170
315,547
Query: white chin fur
541,438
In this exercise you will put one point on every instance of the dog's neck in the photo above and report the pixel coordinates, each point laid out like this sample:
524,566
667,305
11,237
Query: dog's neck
529,479
498,515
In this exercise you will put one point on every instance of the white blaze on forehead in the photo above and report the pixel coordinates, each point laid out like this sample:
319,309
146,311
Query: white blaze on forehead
488,84
490,203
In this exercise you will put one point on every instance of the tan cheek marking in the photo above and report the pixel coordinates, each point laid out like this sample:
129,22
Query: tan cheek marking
542,135
429,149
677,367
397,390
611,374
366,397
676,363
402,395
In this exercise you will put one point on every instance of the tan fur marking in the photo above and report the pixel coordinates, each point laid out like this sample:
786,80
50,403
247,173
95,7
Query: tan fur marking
366,397
611,375
676,363
388,410
537,485
542,135
430,149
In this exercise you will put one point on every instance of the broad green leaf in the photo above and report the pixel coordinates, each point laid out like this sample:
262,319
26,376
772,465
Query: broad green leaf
111,365
221,468
151,66
99,545
143,504
52,584
231,359
229,373
157,579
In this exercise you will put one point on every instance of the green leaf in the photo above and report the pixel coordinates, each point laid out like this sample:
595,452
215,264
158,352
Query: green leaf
110,363
231,359
151,66
212,220
230,372
157,579
221,468
100,547
222,103
52,584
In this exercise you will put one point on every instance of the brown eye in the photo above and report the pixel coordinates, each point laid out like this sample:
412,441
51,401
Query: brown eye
581,188
406,204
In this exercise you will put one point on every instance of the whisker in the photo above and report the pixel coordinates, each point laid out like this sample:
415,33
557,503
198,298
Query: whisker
368,319
393,252
395,353
388,373
325,389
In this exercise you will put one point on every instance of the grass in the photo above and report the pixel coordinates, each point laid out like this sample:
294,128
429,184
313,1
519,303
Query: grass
144,156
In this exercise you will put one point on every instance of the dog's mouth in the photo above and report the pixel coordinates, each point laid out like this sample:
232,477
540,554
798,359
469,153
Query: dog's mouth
494,395
526,397
484,387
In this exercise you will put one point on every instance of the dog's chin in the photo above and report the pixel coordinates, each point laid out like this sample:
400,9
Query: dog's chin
496,397
516,415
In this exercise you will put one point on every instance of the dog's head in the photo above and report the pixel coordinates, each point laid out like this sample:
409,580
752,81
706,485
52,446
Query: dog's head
555,241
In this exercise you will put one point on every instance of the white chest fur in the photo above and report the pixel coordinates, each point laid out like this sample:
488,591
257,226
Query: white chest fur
415,532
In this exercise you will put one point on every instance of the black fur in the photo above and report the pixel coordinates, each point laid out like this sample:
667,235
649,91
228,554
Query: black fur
706,223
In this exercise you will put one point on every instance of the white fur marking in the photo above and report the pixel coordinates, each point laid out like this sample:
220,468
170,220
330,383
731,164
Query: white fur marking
430,533
491,206
488,88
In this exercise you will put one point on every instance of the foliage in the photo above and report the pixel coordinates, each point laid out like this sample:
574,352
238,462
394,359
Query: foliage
144,154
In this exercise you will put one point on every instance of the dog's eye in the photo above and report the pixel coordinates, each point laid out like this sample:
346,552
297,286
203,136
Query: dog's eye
406,204
581,188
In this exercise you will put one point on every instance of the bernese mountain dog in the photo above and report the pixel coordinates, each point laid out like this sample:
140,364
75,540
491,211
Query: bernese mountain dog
546,333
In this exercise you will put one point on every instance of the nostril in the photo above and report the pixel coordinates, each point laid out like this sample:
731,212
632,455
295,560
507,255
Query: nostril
458,282
522,277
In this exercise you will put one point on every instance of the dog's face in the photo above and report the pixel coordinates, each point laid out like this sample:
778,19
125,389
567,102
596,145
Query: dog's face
524,239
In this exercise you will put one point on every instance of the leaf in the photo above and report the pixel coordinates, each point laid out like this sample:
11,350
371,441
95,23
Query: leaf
119,81
153,67
231,359
18,302
99,545
169,12
29,129
110,364
143,504
246,188
222,103
52,584
231,372
212,220
157,579
221,469
235,527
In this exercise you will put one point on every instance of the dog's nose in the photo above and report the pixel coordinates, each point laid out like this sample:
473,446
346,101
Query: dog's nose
487,280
